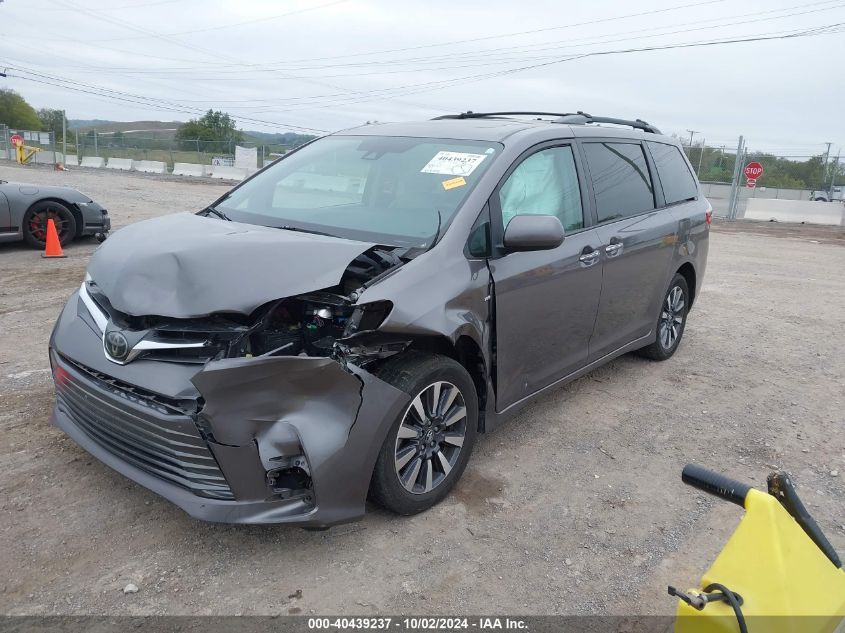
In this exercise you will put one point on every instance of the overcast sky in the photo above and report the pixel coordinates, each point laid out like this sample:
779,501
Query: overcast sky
329,64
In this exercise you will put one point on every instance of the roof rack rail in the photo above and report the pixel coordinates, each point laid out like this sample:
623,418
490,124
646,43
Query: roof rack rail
568,118
469,114
582,118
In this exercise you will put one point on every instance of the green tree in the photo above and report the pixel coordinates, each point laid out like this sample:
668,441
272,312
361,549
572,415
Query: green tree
52,120
215,131
16,112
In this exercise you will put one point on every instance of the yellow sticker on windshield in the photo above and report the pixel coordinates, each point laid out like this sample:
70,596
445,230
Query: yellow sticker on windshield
454,182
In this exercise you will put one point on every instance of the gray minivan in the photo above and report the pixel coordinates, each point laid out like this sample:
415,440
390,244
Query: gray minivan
342,325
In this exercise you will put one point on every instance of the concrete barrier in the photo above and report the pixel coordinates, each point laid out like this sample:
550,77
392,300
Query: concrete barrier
190,169
93,161
830,213
123,164
72,160
151,166
47,158
228,173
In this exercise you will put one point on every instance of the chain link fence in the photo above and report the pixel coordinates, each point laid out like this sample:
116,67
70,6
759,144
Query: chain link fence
44,141
150,147
785,176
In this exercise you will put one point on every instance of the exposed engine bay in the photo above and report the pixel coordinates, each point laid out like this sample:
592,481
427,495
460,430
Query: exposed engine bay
304,325
310,324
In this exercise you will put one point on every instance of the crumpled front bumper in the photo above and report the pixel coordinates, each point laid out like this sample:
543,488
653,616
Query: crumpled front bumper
252,415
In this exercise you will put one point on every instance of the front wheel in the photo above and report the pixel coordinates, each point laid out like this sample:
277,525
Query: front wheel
428,446
35,223
670,321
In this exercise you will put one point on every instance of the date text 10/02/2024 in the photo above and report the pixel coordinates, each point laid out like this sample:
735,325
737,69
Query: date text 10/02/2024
417,623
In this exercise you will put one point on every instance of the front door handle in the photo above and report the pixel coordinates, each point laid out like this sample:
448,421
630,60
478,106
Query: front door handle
589,258
613,249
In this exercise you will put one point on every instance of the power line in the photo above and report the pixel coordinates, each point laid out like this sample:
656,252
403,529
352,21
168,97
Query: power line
231,25
486,54
436,85
150,102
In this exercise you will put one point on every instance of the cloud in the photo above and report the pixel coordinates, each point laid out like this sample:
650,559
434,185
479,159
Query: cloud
332,64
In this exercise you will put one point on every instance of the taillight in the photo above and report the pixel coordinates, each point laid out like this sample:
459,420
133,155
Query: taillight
708,216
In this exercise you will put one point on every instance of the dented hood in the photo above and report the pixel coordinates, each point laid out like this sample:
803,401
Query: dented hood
186,265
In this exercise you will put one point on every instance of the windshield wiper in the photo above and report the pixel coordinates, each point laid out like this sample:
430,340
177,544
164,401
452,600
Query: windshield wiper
216,212
298,229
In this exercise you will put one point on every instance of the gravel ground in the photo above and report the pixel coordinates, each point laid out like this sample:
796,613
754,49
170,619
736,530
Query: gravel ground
574,507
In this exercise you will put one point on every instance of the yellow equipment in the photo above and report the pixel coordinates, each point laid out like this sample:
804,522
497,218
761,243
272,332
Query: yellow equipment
24,152
783,574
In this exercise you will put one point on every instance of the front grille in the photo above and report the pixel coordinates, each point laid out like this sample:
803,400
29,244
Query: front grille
159,442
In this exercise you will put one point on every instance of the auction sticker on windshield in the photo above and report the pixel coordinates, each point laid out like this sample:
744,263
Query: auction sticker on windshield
453,163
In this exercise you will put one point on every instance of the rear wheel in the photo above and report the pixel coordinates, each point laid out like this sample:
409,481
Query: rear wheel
35,223
428,446
670,321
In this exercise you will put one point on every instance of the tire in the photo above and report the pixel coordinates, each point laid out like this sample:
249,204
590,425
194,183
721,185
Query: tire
35,223
433,445
673,311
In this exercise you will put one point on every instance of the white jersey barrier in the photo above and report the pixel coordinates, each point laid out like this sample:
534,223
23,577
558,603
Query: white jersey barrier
93,161
72,160
47,158
151,166
123,164
190,169
830,213
228,173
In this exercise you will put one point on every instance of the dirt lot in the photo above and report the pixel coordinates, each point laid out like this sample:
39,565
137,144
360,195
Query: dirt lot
574,507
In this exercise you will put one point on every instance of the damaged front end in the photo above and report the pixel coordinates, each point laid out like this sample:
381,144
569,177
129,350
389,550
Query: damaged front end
261,418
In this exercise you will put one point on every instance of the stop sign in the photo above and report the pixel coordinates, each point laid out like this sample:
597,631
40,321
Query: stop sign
16,139
753,171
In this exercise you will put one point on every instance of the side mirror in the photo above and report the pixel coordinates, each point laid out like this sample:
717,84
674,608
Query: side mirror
533,233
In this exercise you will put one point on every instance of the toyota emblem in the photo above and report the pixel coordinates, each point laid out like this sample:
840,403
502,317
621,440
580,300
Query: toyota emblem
116,345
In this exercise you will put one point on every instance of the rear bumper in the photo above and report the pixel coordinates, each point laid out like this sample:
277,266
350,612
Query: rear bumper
212,439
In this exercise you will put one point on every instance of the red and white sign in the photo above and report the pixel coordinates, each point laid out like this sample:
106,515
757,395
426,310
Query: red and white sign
16,139
751,183
753,171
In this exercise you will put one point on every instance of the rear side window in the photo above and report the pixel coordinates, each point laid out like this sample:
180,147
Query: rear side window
621,182
675,176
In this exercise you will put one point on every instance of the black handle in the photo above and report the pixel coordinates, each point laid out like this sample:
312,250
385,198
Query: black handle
781,488
715,484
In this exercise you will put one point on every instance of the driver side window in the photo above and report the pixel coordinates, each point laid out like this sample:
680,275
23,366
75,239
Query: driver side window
545,183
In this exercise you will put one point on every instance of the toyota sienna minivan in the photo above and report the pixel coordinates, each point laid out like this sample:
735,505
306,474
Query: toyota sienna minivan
346,322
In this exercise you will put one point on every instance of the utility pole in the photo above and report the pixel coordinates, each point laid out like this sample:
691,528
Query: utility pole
691,134
700,158
826,158
833,173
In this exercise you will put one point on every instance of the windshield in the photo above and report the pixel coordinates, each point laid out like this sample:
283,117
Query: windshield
388,190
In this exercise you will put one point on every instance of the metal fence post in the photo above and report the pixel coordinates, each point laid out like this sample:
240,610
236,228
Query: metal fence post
732,202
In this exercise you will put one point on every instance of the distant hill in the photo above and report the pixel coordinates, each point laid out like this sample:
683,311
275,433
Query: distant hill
159,128
165,130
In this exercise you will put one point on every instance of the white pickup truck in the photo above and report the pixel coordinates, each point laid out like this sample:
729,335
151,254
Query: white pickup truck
836,194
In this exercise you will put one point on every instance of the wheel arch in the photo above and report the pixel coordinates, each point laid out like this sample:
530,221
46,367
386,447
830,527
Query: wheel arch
687,271
466,351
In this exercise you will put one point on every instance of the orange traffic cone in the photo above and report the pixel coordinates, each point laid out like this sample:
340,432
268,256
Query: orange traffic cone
53,248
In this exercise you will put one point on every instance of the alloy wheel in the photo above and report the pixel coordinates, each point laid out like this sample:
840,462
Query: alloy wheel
671,318
38,224
430,437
